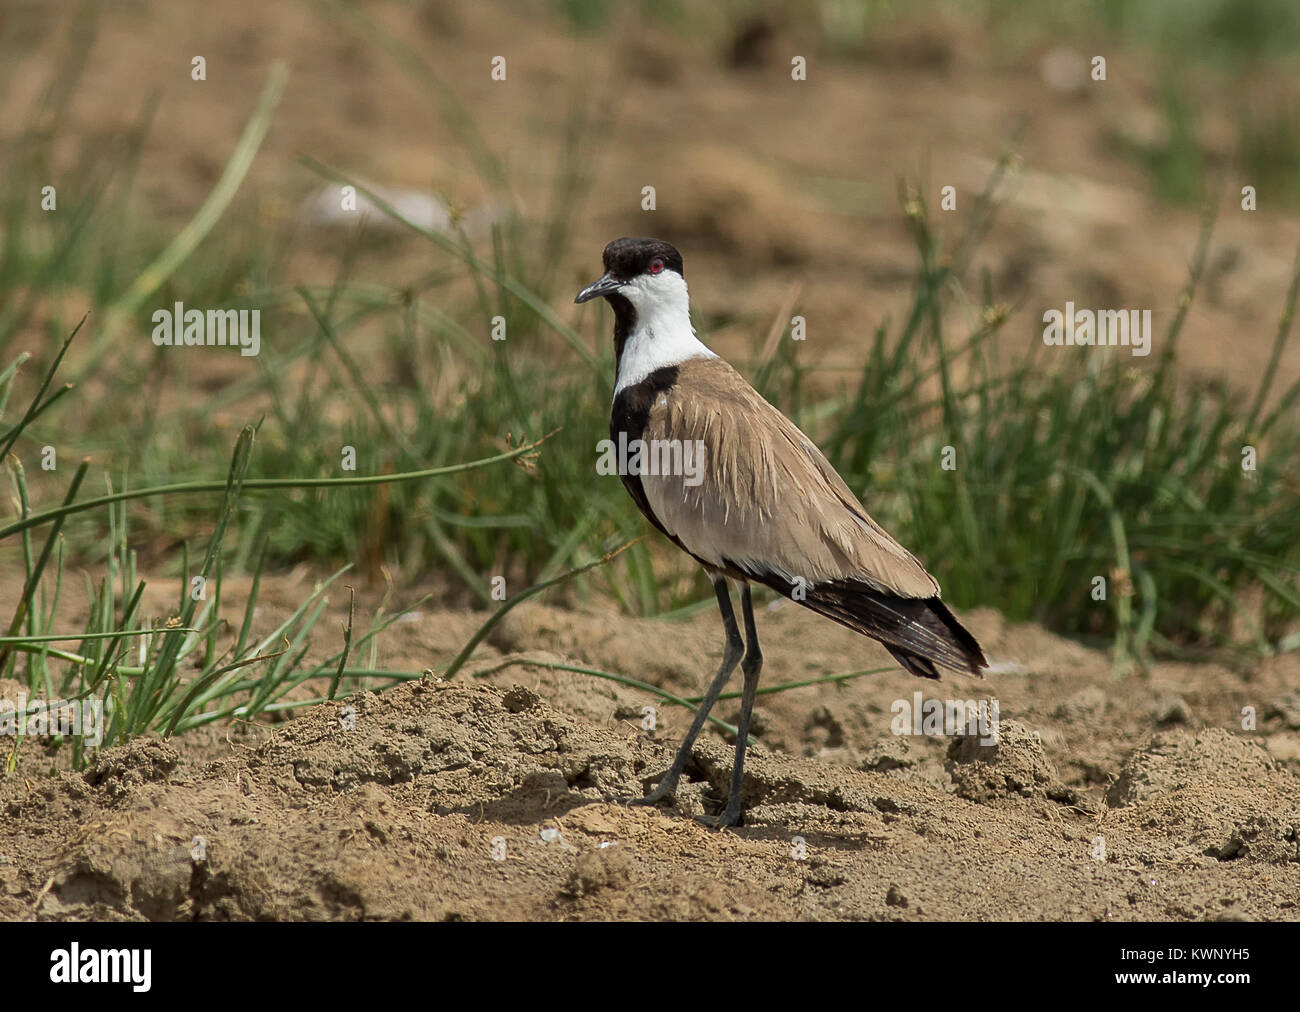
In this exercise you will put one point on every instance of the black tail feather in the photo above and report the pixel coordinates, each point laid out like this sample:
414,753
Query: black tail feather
920,666
919,632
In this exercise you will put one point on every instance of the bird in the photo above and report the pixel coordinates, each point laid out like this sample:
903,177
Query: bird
764,505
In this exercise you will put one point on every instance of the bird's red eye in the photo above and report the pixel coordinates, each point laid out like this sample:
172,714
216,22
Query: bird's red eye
656,265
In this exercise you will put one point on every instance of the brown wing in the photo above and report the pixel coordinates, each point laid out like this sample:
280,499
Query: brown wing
769,503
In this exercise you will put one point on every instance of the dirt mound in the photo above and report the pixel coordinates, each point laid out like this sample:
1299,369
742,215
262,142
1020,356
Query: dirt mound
119,770
1014,763
499,795
1183,760
1217,792
501,798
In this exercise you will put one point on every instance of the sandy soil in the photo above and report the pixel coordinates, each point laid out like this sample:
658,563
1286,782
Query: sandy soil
498,797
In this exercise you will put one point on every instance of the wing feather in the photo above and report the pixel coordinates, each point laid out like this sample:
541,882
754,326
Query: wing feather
769,502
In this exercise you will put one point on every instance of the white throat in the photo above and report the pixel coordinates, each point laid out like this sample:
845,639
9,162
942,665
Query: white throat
663,335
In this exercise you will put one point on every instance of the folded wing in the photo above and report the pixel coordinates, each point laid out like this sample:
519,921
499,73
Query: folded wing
770,508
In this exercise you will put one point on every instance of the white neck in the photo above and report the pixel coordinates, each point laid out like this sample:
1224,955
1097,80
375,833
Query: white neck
663,335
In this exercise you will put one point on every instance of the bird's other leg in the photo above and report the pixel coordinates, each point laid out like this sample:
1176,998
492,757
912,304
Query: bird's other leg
731,654
751,666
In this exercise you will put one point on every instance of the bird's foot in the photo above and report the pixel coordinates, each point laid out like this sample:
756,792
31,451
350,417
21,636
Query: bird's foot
729,817
667,788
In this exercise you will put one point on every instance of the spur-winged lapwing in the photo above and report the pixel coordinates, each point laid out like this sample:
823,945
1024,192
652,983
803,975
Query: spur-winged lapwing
763,504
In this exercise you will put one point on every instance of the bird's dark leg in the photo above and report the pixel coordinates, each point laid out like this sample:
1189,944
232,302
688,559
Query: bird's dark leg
730,658
752,666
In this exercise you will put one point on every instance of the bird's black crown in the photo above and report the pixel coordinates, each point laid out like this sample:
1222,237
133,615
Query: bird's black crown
627,257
